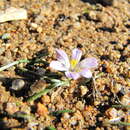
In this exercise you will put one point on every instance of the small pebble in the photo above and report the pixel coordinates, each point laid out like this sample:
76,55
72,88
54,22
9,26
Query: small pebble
111,113
97,103
83,90
92,15
40,71
42,109
17,84
116,88
125,100
66,115
45,99
34,25
79,105
11,108
102,17
25,108
39,29
73,121
77,25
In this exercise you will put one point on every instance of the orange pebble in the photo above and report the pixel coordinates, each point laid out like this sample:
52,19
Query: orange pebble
42,109
45,99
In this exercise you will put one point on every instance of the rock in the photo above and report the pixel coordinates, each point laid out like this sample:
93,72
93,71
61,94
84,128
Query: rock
114,115
73,121
33,25
92,15
45,99
39,29
111,113
11,108
83,90
25,108
17,84
116,88
79,105
102,17
66,115
13,14
125,100
4,60
42,110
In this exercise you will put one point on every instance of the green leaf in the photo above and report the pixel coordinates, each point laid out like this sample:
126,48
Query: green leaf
56,113
47,90
50,128
13,63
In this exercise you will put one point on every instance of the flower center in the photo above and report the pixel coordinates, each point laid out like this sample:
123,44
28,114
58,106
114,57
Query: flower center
73,63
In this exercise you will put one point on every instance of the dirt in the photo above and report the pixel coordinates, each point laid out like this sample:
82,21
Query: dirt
100,30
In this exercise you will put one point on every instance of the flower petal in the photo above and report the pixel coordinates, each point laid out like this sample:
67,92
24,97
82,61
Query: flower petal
76,54
86,73
58,66
72,75
88,63
62,57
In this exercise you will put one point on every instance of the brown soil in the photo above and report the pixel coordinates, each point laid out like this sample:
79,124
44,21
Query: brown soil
101,31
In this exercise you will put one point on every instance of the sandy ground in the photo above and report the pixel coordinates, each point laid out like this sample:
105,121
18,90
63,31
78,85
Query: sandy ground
100,31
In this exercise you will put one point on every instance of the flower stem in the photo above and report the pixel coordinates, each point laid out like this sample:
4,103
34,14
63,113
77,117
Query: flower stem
24,116
13,63
50,128
124,106
99,75
38,95
47,90
120,123
56,113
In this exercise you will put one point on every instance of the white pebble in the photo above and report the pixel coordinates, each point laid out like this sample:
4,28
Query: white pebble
83,90
34,25
17,84
13,14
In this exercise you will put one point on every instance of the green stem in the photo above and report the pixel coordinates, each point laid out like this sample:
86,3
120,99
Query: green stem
120,123
55,113
99,75
24,116
20,115
124,106
46,90
50,128
13,63
38,95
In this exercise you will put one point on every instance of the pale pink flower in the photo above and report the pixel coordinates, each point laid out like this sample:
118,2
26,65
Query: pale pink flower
73,67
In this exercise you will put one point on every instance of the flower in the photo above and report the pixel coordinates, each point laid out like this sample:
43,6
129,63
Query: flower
74,68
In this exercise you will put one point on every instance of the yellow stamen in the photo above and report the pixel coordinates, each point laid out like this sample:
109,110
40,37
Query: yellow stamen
73,63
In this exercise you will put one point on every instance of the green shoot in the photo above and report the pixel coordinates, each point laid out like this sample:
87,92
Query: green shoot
55,84
56,113
118,123
50,128
121,106
13,63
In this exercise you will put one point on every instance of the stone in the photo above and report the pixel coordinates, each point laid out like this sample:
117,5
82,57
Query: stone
17,84
12,13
